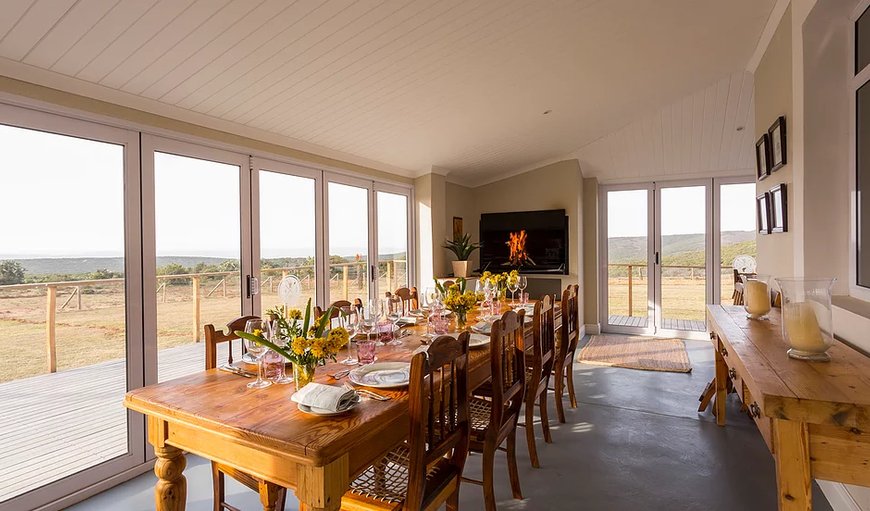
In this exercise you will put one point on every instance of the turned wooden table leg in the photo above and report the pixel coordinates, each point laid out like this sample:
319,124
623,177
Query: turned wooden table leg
792,454
321,488
721,386
170,493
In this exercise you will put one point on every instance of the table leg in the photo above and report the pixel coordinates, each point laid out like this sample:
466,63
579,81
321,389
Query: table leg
269,495
321,488
170,492
721,387
792,454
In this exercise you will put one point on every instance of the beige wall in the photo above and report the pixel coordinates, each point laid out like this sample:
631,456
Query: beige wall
460,203
130,115
773,97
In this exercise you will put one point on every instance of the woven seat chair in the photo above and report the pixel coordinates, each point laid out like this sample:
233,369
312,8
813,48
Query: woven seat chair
425,472
495,412
539,365
566,347
214,337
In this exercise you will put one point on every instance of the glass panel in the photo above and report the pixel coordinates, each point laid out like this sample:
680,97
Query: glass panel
862,42
198,270
287,236
627,256
348,242
737,239
392,241
683,257
62,307
863,183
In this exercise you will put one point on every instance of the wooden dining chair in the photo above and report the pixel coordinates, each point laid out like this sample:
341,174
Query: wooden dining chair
214,337
495,412
424,472
408,295
539,365
336,307
566,347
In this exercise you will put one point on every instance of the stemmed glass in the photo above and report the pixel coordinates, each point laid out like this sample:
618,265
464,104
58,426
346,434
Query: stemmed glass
368,321
257,350
348,319
281,376
513,285
393,308
522,282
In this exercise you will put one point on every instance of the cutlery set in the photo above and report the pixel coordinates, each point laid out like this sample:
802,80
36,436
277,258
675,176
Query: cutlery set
368,393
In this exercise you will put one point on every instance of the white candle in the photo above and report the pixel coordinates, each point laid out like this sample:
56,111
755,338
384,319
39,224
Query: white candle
756,295
802,327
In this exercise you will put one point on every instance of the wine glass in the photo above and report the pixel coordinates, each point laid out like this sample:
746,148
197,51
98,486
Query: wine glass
368,320
393,310
431,296
522,281
257,350
348,319
513,286
281,377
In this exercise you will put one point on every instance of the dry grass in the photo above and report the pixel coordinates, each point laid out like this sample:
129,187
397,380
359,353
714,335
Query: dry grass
96,333
682,298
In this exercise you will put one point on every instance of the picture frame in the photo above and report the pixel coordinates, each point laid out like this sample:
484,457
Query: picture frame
778,208
457,227
778,149
762,213
762,157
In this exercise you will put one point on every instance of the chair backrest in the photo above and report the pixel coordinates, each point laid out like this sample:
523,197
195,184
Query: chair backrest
438,408
543,341
568,333
214,337
508,369
409,295
336,308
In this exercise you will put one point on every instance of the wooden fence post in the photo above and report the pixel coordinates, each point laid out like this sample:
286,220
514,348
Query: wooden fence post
50,332
344,272
630,307
196,308
79,297
390,275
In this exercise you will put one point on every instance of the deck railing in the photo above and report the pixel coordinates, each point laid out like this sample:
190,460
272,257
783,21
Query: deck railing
217,282
642,269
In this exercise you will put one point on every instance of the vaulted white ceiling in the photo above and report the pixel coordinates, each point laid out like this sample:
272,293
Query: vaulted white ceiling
403,85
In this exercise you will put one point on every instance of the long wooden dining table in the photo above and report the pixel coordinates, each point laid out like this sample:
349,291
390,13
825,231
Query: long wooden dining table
260,431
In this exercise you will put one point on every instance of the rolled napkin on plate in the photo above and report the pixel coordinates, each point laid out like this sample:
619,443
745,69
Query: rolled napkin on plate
407,320
325,397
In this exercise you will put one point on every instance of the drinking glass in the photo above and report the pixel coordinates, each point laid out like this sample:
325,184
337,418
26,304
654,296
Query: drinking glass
349,319
368,321
431,295
281,377
522,281
257,350
395,309
365,351
513,286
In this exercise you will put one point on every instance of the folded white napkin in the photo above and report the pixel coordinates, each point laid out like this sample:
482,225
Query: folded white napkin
407,320
326,397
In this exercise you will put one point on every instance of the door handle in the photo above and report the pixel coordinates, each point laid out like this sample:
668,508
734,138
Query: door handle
657,258
253,286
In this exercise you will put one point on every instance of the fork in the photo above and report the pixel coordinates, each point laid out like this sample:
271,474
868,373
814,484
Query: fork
367,393
340,374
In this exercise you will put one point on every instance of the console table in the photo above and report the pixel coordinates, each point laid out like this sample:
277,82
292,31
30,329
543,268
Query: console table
813,416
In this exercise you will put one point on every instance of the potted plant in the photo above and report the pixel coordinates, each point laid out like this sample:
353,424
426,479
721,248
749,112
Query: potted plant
462,247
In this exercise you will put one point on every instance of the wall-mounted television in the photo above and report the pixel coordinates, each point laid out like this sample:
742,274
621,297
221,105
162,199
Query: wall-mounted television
528,241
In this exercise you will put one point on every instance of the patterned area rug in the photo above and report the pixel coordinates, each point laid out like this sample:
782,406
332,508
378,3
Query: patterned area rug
632,352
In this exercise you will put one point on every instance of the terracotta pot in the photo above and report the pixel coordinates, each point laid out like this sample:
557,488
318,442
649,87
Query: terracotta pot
460,269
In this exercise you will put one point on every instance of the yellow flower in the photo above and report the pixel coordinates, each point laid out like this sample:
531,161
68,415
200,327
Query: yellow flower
299,345
294,314
257,332
337,337
318,348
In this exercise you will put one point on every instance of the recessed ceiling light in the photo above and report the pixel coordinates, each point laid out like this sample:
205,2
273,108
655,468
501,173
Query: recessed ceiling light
547,111
739,128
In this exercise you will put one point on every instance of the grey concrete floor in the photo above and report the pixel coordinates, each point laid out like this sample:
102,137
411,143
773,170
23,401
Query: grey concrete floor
636,441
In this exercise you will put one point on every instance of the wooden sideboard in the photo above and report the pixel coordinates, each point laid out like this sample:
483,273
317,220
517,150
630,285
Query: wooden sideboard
814,416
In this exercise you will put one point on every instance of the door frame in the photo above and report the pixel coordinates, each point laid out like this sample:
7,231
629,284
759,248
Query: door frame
408,193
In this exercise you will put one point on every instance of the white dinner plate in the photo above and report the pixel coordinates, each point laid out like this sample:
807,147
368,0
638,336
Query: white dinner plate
478,340
323,412
482,327
382,375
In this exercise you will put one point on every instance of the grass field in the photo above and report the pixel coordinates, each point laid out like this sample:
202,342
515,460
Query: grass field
682,298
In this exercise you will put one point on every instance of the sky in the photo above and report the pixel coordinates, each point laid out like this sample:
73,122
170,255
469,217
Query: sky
63,196
683,210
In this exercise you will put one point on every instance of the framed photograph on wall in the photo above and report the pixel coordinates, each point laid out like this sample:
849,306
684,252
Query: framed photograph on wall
776,134
762,213
778,208
762,157
457,227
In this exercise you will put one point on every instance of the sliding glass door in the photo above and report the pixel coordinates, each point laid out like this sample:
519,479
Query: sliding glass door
660,241
70,305
393,237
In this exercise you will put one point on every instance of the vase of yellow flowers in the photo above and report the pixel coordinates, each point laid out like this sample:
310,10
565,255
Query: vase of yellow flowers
459,300
499,281
311,342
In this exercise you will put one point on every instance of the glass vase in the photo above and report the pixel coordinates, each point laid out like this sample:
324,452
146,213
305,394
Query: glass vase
461,318
756,296
303,374
807,325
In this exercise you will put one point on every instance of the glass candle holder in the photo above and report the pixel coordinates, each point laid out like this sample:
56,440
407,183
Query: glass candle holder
756,296
807,324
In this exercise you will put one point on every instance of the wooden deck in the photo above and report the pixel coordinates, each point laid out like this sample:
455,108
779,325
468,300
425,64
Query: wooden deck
687,325
55,425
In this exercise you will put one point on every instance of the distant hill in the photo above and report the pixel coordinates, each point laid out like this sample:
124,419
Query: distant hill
77,265
680,249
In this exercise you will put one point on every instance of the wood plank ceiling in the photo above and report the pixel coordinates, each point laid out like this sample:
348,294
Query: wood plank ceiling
406,85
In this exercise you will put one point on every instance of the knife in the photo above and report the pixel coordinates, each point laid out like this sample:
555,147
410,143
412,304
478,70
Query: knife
237,371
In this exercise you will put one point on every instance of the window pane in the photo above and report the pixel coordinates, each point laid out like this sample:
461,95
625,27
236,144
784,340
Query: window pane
627,256
348,242
683,258
862,42
286,235
737,242
863,183
62,284
198,273
392,241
